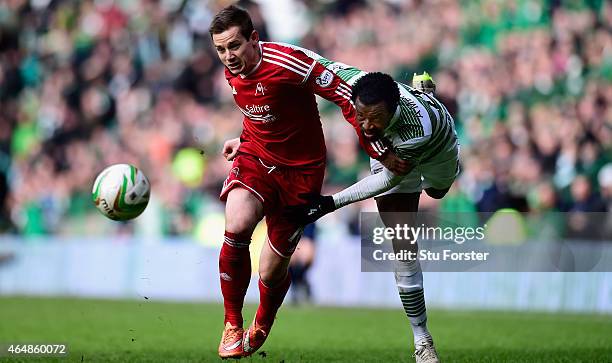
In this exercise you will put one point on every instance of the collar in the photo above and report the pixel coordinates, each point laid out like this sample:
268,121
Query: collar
243,76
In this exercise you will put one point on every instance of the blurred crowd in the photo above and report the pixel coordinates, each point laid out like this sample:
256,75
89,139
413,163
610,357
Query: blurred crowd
86,84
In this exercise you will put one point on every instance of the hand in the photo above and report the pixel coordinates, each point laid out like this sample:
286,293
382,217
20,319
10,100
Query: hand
316,206
396,165
230,148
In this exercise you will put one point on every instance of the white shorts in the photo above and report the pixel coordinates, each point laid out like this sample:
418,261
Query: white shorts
438,173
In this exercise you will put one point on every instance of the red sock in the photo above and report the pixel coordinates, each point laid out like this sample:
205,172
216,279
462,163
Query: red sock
270,299
235,274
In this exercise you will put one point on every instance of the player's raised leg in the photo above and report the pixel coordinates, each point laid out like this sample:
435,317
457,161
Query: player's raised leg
274,281
401,208
242,213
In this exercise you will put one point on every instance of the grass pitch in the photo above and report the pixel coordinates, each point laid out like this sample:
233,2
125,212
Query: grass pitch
149,331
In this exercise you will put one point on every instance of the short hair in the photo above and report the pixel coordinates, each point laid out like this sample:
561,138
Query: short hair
377,87
232,16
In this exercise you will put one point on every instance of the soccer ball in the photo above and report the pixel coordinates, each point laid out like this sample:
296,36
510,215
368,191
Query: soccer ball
121,192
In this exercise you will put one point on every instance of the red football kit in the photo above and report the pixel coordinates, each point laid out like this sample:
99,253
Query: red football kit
282,152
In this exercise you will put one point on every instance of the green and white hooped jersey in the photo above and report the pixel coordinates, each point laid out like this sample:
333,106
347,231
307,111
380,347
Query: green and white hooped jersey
421,131
421,128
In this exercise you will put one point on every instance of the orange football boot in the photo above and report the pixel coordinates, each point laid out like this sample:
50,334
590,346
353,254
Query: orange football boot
254,337
231,342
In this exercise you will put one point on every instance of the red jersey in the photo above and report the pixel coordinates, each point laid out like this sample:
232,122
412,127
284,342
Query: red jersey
281,119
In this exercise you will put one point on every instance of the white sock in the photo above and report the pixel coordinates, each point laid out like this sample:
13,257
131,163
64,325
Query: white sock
409,281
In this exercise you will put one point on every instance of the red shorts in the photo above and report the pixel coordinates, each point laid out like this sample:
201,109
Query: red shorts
276,187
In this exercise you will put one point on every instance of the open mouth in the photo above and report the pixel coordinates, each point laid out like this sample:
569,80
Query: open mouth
369,135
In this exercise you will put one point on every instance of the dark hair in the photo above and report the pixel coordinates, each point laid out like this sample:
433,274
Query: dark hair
232,16
376,87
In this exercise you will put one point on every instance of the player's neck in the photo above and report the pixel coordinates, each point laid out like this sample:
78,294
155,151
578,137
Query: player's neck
256,63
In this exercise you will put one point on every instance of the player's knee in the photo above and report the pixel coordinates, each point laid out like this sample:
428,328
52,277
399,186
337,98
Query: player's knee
272,277
240,225
272,268
242,212
266,276
436,193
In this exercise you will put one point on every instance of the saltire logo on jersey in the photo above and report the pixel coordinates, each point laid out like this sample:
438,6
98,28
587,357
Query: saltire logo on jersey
287,61
325,78
251,110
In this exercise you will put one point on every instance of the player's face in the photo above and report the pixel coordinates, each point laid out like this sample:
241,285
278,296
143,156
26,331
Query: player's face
236,52
373,119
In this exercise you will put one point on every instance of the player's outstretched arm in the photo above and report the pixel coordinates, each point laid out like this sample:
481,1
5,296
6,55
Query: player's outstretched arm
367,187
320,205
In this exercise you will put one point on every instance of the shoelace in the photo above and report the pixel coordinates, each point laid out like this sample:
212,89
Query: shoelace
424,351
232,335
